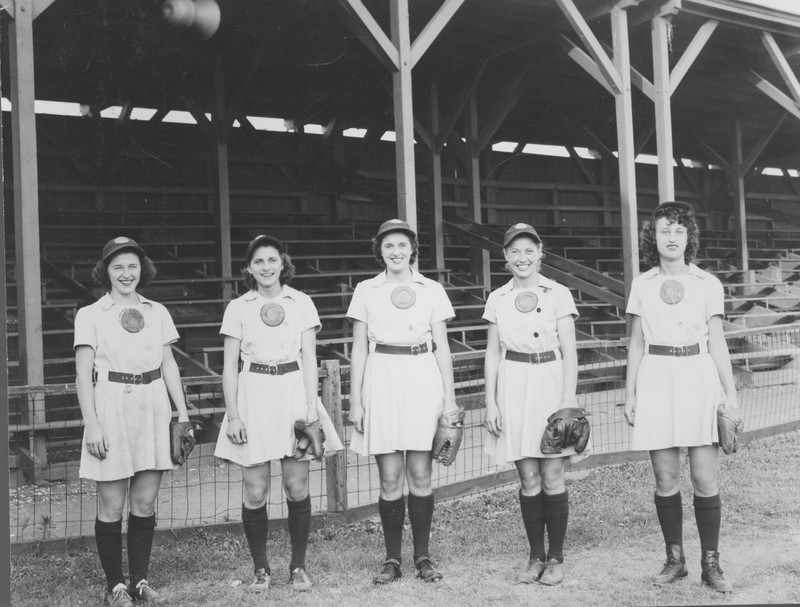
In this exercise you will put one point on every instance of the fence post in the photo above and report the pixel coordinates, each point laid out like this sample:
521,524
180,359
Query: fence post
336,465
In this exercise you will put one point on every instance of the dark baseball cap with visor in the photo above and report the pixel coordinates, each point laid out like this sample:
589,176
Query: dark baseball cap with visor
664,207
262,240
119,244
395,225
520,229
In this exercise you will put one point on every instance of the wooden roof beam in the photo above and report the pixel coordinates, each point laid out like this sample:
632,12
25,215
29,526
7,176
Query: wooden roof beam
639,80
39,6
582,58
691,53
714,156
750,160
433,28
774,93
363,24
783,66
592,44
234,107
508,99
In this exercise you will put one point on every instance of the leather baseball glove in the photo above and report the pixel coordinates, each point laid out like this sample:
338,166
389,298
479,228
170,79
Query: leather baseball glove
310,439
448,436
181,441
730,427
566,427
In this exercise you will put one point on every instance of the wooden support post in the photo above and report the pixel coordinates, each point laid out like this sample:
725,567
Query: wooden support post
660,32
626,151
336,465
737,181
222,181
435,181
479,257
403,115
26,216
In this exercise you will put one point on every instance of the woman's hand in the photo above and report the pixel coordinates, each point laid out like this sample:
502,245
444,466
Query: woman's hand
356,414
630,410
96,441
494,420
236,432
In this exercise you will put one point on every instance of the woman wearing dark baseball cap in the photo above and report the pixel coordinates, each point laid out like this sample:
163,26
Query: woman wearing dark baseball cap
401,381
679,373
531,371
125,377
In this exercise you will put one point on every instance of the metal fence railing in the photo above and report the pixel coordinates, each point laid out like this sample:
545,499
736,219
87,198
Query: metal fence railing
48,501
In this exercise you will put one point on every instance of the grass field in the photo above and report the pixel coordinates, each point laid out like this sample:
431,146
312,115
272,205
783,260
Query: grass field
613,549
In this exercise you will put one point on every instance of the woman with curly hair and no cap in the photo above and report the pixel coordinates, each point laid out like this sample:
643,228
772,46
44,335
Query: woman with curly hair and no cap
679,373
273,330
401,381
125,377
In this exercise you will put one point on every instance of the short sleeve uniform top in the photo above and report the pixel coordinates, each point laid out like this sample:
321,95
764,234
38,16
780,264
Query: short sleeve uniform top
534,330
270,330
683,322
137,349
401,325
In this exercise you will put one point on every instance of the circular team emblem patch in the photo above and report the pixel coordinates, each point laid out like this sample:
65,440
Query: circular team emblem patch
272,314
403,297
131,320
671,292
526,301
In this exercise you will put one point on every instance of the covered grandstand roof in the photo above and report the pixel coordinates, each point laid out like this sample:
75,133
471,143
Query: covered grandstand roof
298,60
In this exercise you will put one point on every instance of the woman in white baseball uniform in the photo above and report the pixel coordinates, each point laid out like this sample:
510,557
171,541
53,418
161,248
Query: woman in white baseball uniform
125,377
531,371
679,373
272,331
401,381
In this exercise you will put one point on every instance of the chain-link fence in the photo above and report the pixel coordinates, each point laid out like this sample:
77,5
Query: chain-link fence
49,502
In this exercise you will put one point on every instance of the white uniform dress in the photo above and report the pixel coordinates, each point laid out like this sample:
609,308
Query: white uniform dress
134,417
528,393
676,397
403,395
268,405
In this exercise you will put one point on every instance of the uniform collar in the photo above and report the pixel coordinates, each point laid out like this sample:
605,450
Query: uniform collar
544,283
381,279
693,271
287,292
107,302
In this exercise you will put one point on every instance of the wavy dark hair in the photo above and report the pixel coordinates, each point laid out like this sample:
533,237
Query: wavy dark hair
148,273
377,242
286,276
648,249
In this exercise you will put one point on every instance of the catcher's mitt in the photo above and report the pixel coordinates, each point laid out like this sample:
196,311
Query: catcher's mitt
448,436
566,427
730,427
182,441
310,439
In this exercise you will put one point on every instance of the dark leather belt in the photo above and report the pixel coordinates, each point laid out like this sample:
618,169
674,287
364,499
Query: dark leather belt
408,350
692,350
278,369
133,379
534,358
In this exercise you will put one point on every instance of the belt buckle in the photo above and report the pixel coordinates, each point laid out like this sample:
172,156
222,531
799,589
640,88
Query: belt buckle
138,379
272,369
415,349
534,358
678,351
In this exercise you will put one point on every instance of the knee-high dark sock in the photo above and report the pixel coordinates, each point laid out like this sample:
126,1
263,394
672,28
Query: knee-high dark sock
532,507
556,517
708,513
420,513
256,527
670,516
299,527
140,543
393,513
109,546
